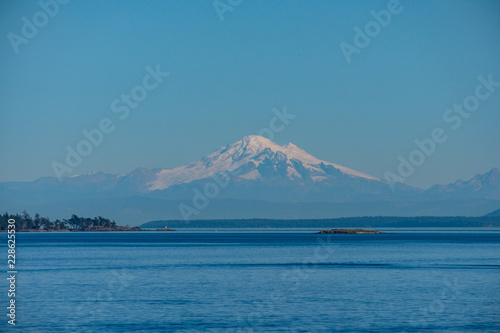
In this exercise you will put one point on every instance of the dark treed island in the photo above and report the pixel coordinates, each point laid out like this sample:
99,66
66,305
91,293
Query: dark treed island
24,222
349,231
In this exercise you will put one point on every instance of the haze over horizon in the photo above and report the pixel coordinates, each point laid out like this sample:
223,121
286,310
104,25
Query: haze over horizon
226,77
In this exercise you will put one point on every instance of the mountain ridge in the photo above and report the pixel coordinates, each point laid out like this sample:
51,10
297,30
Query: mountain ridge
253,177
486,185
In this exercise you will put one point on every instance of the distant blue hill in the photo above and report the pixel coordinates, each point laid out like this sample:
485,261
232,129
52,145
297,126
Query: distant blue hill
350,222
495,213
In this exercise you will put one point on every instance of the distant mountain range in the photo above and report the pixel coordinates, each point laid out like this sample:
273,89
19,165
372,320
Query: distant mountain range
252,178
480,186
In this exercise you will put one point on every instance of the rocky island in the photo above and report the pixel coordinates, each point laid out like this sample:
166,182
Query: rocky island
349,231
165,229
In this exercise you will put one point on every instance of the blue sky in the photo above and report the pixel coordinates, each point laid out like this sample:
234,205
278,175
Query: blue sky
226,76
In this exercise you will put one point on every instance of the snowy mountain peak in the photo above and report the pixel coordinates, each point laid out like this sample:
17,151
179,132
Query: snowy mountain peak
257,158
256,140
257,144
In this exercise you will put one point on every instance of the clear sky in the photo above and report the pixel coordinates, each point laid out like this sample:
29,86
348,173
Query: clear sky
226,76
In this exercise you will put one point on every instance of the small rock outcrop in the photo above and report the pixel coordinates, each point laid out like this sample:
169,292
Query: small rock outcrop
349,231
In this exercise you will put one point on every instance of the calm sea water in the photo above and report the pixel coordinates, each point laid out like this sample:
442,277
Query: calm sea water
257,281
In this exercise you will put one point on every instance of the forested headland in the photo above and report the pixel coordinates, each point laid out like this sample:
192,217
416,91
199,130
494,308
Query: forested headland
24,222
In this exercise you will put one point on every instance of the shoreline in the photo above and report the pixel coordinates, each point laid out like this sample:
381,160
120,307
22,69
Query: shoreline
312,230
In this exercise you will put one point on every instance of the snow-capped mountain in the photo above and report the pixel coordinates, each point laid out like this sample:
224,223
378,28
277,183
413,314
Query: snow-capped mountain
258,169
256,158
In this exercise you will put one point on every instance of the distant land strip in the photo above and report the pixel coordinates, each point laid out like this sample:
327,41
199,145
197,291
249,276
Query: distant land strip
348,222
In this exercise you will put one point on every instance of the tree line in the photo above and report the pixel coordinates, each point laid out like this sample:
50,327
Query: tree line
25,222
